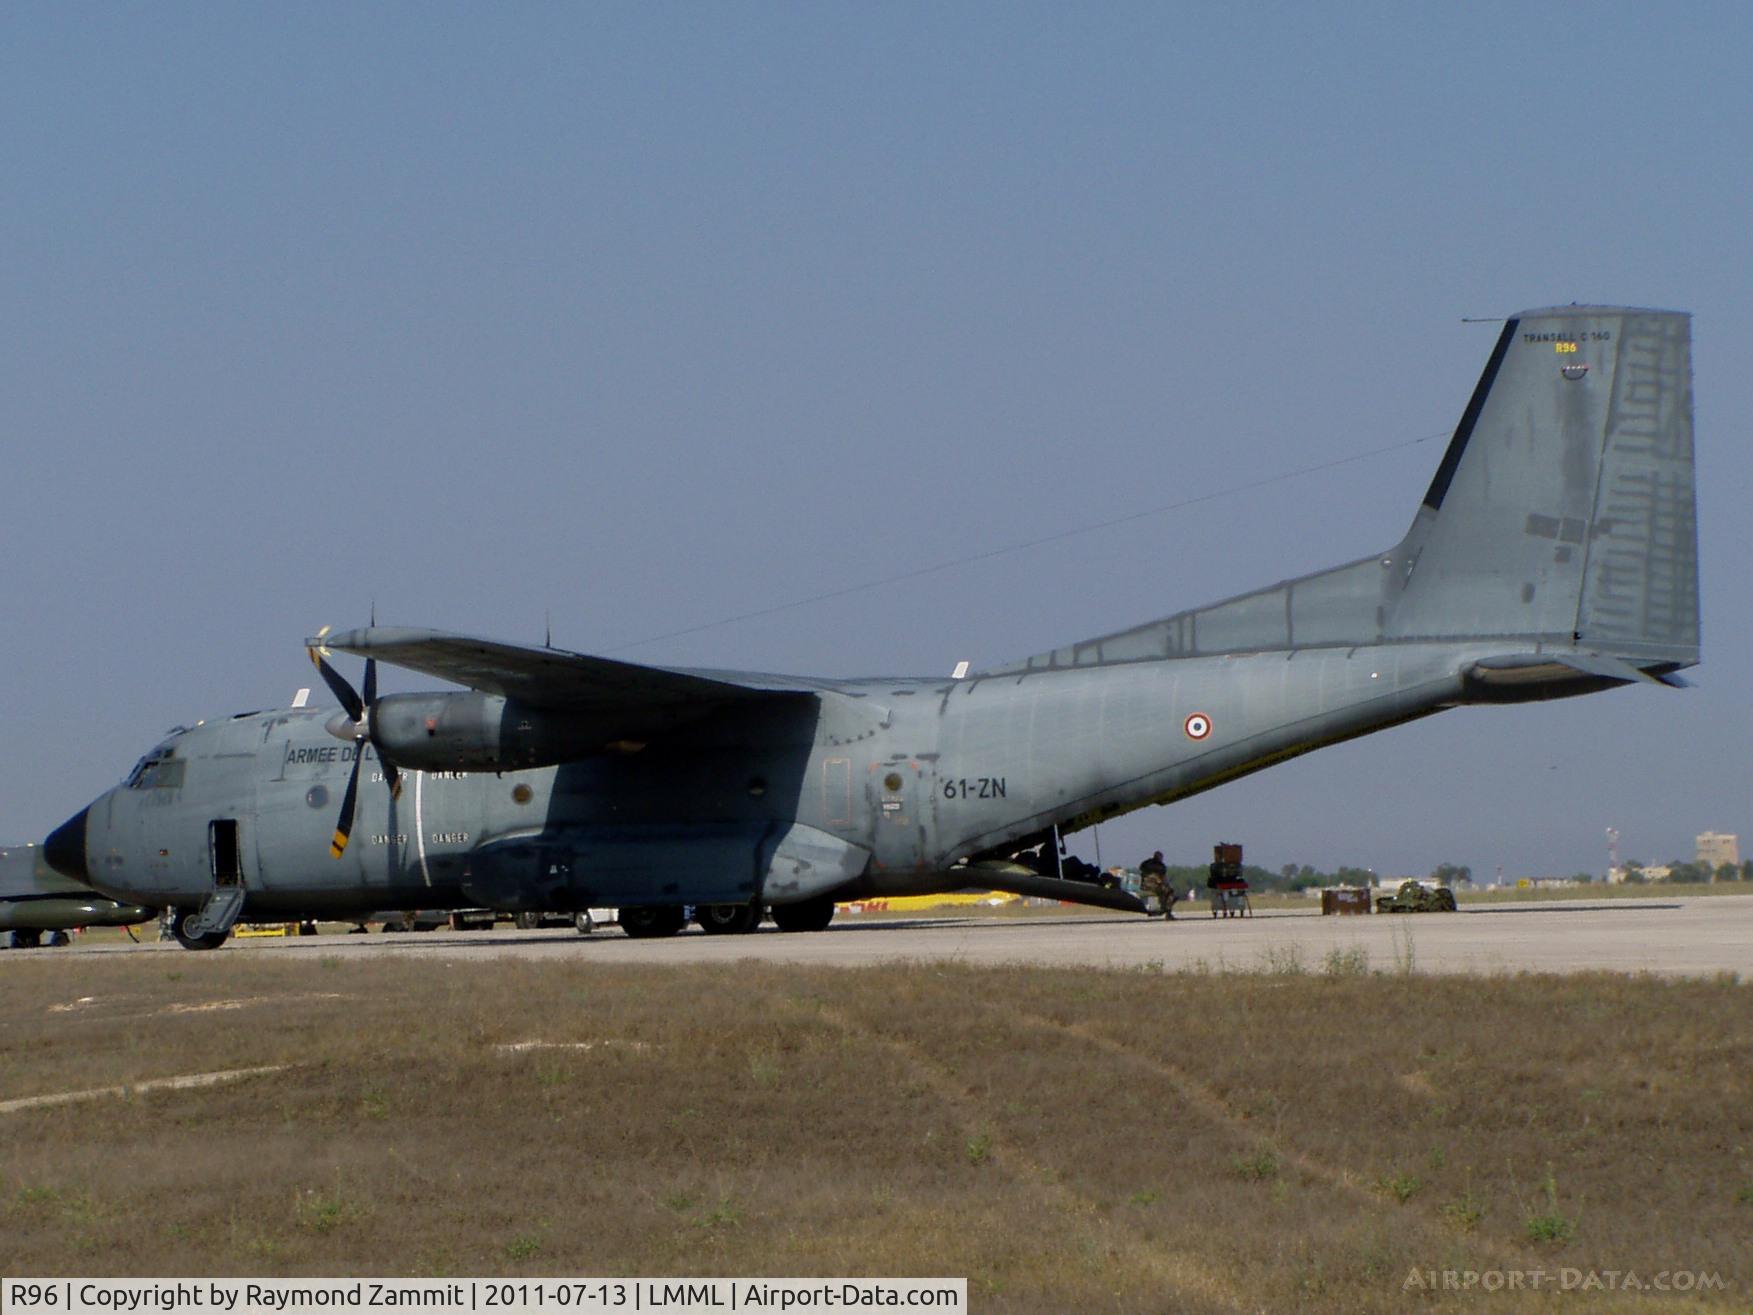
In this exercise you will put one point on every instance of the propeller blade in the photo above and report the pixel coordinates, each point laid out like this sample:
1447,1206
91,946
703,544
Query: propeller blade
358,711
344,823
391,776
338,685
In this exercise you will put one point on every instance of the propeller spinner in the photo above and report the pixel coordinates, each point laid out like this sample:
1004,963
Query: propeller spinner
352,723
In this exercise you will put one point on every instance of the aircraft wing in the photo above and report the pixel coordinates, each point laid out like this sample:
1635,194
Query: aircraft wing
554,678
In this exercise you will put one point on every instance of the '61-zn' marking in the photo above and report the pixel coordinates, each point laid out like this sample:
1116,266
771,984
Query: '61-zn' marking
981,787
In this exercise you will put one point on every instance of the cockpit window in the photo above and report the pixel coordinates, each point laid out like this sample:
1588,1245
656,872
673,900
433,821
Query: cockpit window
159,770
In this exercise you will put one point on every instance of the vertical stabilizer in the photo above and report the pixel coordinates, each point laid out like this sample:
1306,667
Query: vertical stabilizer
1561,518
1563,511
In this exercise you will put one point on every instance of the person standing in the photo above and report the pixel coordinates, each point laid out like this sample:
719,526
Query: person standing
1153,879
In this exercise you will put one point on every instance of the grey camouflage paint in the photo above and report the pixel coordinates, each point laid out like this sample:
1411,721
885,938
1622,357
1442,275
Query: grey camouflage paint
1554,554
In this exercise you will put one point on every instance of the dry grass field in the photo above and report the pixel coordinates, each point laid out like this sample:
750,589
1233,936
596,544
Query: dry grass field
1291,1140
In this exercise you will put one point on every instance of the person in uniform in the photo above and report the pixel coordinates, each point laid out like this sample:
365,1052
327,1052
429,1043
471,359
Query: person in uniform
1153,879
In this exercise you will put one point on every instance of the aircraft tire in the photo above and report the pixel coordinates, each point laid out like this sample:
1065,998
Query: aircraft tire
60,938
806,915
26,940
652,920
585,923
527,921
211,941
727,919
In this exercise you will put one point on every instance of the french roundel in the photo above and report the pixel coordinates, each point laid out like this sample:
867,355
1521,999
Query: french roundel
1197,726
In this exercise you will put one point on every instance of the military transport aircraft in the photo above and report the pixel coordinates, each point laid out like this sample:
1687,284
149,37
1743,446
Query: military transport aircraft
35,899
1553,554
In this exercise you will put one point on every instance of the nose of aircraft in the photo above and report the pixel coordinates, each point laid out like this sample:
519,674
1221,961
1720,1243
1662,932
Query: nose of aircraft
64,850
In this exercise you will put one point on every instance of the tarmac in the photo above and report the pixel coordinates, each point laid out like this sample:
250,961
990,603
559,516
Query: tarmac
1697,936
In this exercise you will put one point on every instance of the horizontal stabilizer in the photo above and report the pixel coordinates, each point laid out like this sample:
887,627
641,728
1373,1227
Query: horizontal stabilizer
1514,677
1601,664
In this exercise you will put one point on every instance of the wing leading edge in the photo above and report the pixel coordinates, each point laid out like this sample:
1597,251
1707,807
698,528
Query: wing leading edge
554,678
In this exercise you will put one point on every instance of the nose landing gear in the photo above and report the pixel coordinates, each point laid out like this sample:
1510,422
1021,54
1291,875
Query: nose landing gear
189,932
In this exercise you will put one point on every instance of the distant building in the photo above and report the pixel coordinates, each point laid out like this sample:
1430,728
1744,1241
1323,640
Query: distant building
1649,872
1718,847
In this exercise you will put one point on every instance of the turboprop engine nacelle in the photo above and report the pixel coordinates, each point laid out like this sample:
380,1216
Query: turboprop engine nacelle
469,731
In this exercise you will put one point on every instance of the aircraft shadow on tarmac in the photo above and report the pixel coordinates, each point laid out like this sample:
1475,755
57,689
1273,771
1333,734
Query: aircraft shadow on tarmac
463,939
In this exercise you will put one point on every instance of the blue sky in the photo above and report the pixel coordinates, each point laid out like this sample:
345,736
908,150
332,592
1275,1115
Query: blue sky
646,316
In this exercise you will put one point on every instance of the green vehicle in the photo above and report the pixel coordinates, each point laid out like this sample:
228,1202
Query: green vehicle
35,899
1416,897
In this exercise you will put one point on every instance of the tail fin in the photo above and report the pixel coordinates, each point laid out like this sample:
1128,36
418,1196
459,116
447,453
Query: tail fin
1562,516
1563,511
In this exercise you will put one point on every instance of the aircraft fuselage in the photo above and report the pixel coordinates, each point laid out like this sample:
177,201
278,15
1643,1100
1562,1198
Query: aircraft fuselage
904,779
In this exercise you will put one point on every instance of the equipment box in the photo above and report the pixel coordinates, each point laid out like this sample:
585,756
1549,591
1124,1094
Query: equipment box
1345,899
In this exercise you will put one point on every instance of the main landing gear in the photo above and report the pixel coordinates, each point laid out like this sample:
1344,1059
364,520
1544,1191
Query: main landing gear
806,915
653,920
727,919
